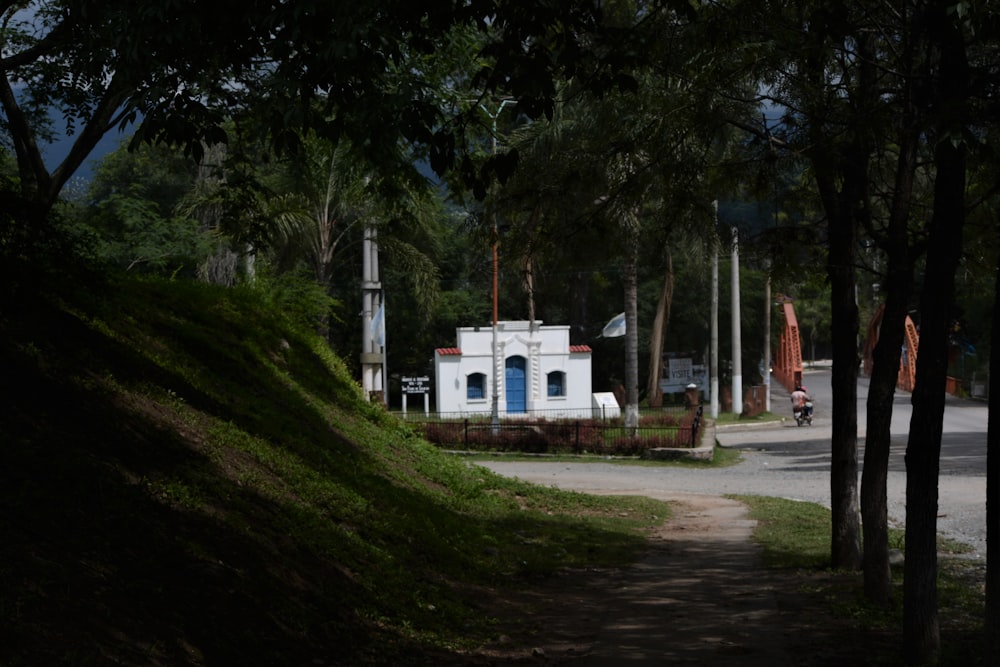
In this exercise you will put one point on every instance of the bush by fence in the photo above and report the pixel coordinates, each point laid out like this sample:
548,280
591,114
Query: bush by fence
566,436
648,415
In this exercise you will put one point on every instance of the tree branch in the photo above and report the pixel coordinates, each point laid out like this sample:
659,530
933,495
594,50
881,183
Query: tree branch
93,131
30,165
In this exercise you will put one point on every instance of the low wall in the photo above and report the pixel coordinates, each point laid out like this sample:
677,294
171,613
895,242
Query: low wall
705,451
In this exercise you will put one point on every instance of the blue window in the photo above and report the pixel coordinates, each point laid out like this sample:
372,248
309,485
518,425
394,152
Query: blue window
476,386
557,383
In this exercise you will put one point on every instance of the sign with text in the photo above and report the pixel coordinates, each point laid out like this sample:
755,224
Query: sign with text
679,373
416,385
679,370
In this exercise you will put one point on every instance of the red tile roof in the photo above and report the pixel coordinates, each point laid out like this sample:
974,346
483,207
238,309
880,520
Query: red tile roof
449,351
579,348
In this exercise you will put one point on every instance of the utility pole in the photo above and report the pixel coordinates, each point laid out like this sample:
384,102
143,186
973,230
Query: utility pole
372,321
713,368
767,340
737,339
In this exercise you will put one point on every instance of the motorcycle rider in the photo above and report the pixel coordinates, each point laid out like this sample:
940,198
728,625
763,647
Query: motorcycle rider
800,398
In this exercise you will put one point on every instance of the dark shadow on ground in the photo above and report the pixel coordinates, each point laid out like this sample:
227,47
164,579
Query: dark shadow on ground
699,597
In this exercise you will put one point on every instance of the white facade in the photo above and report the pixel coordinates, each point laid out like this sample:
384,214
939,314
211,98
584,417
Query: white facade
535,370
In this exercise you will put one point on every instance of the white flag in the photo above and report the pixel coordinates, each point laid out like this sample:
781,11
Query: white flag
378,326
615,328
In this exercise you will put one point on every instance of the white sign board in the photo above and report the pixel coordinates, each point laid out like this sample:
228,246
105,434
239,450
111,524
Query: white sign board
680,373
605,405
416,385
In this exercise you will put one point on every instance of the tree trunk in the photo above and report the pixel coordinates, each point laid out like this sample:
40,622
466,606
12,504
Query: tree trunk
579,294
527,262
632,329
843,214
528,273
841,173
921,630
881,391
885,371
992,626
660,324
845,544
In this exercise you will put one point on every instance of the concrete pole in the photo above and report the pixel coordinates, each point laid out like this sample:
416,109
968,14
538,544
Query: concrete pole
767,341
382,381
737,337
713,363
378,338
372,352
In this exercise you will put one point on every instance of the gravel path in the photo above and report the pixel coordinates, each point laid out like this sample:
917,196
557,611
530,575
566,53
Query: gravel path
788,461
798,476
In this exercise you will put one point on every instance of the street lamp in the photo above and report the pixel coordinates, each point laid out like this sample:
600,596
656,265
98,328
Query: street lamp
495,410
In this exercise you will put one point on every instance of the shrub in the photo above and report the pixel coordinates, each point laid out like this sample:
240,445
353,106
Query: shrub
579,436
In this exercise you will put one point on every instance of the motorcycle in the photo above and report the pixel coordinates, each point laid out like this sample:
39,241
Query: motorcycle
804,415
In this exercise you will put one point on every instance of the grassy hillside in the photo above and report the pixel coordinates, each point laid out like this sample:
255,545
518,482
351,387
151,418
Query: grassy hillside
186,478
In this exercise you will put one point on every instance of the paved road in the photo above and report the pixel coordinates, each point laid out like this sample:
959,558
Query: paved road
789,461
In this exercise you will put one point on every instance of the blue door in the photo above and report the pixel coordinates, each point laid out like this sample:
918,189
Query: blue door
515,385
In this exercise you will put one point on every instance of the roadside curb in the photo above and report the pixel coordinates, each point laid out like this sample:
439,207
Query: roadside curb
751,426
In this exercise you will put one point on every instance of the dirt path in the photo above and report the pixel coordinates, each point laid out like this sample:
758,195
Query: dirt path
698,597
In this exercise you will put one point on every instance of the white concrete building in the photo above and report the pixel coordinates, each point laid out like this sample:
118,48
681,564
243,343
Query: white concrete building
535,370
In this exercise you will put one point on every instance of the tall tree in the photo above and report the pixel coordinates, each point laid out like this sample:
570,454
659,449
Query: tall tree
992,624
896,238
921,631
644,156
841,172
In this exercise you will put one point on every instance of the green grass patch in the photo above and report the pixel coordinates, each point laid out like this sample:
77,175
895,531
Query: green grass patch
795,536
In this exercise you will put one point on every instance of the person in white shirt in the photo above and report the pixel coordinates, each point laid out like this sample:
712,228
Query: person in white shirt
799,399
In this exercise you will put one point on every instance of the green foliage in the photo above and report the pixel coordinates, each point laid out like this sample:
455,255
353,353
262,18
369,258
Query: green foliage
156,174
810,297
297,297
134,236
130,213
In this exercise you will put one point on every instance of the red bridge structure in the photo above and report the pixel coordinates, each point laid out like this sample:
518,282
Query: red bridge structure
788,359
907,363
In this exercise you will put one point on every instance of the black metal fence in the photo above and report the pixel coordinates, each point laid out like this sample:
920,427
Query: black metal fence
583,414
566,436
